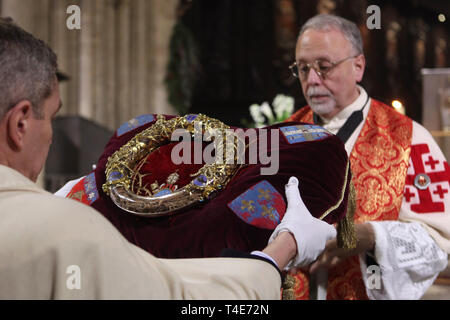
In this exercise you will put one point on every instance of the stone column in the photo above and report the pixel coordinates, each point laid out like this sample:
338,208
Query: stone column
139,84
117,61
66,44
105,98
88,37
161,17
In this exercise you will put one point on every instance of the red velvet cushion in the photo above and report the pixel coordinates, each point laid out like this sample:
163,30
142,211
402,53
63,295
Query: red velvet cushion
206,229
158,166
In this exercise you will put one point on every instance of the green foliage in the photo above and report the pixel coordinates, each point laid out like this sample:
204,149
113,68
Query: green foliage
183,68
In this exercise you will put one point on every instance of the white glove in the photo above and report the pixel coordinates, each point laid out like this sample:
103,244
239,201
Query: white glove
310,233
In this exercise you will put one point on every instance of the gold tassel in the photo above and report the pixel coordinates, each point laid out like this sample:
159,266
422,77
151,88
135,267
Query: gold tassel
346,235
288,288
346,238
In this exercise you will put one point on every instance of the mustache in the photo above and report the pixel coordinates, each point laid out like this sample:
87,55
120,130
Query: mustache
315,91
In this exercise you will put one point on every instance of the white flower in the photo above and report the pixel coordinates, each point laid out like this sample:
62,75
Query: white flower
267,111
263,115
283,106
255,112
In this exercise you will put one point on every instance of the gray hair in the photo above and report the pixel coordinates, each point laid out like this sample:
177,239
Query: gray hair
327,21
27,68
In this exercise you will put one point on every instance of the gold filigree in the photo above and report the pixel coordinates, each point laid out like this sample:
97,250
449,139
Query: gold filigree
168,185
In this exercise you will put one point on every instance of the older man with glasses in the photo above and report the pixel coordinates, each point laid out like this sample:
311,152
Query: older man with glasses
401,177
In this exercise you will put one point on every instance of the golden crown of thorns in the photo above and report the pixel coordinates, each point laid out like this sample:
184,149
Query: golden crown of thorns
207,181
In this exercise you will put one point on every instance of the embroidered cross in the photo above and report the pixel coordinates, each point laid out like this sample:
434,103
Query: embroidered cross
408,194
431,162
441,192
426,204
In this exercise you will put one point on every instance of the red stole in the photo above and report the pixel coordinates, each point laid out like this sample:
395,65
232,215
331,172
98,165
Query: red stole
379,162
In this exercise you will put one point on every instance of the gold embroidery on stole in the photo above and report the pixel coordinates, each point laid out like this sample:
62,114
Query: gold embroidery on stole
379,162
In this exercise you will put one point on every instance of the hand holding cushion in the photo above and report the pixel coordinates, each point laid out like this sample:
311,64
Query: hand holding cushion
311,234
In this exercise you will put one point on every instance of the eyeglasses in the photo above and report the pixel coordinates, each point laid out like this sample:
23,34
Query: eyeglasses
321,66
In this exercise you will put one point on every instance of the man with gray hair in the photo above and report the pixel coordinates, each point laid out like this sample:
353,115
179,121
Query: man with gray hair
399,173
55,248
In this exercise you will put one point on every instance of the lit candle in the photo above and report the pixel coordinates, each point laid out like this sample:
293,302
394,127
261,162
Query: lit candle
398,106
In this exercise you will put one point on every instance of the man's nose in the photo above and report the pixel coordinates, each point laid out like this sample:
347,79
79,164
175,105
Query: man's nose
313,78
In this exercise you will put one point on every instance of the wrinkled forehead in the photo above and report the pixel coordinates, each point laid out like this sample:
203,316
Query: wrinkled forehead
329,44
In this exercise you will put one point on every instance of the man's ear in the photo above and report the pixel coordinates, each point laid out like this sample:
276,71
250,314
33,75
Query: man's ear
359,65
18,121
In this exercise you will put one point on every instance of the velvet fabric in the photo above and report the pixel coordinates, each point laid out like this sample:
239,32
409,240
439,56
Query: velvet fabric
158,165
207,228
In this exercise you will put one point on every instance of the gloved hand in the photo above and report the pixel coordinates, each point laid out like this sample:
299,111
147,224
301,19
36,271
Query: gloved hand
311,234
